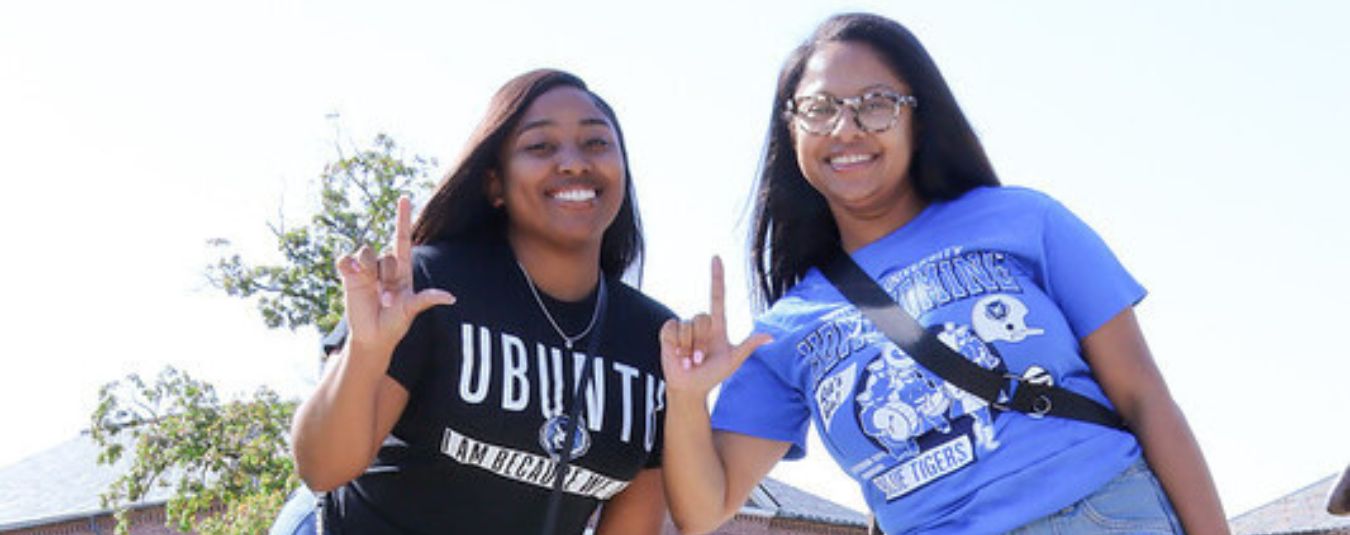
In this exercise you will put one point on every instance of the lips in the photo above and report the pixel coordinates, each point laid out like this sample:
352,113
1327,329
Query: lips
574,191
847,161
575,195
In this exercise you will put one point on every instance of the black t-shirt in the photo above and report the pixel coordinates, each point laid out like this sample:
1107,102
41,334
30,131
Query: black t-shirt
490,383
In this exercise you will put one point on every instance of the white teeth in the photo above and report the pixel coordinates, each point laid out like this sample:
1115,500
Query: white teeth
846,159
575,195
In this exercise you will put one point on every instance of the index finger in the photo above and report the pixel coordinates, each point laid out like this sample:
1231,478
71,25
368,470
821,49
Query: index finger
403,232
717,301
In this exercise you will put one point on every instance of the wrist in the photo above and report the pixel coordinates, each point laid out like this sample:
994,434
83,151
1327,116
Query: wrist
369,351
687,399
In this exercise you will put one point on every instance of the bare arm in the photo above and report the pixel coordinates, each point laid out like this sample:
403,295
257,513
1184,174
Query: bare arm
337,430
1121,361
639,509
708,475
711,472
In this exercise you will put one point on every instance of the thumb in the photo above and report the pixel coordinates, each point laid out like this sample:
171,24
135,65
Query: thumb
743,350
430,297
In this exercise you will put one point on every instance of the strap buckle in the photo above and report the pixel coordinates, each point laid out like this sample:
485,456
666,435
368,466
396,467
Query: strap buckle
1040,404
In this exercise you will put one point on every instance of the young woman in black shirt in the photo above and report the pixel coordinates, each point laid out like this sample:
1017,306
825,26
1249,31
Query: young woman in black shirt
498,322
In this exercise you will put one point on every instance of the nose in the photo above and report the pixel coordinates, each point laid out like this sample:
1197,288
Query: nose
572,161
846,127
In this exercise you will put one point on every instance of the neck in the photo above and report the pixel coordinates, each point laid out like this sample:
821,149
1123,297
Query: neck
565,274
860,227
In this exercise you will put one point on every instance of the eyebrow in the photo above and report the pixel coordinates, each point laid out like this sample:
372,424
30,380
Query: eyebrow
869,89
540,123
879,87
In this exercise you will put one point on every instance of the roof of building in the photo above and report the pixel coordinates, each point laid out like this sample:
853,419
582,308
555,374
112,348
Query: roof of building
1302,511
64,482
787,501
61,483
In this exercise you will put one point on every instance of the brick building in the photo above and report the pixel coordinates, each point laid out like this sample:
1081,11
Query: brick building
55,492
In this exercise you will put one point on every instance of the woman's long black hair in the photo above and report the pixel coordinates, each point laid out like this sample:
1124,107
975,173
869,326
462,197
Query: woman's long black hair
793,227
460,208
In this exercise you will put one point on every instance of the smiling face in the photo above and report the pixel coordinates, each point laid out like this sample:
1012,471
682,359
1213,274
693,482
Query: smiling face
862,175
562,176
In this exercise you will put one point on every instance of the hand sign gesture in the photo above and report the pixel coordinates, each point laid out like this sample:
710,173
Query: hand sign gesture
379,291
696,355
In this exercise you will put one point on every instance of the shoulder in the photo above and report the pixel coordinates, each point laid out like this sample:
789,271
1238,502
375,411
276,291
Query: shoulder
1047,212
1003,207
633,323
805,302
459,260
633,307
445,252
1006,197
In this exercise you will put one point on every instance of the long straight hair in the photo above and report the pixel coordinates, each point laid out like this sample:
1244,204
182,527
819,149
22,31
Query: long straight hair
460,208
793,228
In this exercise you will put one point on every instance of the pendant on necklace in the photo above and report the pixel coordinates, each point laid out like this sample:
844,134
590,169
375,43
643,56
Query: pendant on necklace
568,341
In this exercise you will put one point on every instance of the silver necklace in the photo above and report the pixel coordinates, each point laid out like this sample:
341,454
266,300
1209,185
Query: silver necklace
595,313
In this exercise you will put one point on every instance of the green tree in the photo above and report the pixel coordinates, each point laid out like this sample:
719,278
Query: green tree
357,206
228,462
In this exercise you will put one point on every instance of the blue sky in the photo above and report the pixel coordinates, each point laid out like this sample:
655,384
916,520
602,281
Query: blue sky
1203,140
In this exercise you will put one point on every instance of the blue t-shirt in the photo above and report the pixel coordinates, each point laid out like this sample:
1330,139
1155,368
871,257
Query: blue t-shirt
1010,279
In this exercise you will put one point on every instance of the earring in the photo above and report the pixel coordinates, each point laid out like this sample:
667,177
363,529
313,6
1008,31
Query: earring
498,202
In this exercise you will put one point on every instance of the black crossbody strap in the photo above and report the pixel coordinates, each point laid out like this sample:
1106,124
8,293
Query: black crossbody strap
1032,398
555,496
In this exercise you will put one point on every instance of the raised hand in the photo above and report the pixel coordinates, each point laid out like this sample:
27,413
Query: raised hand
696,354
379,293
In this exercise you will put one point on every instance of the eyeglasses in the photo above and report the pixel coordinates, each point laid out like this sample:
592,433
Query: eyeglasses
875,111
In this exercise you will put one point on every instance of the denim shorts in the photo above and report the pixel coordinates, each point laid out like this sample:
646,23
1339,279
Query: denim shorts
297,517
1133,502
